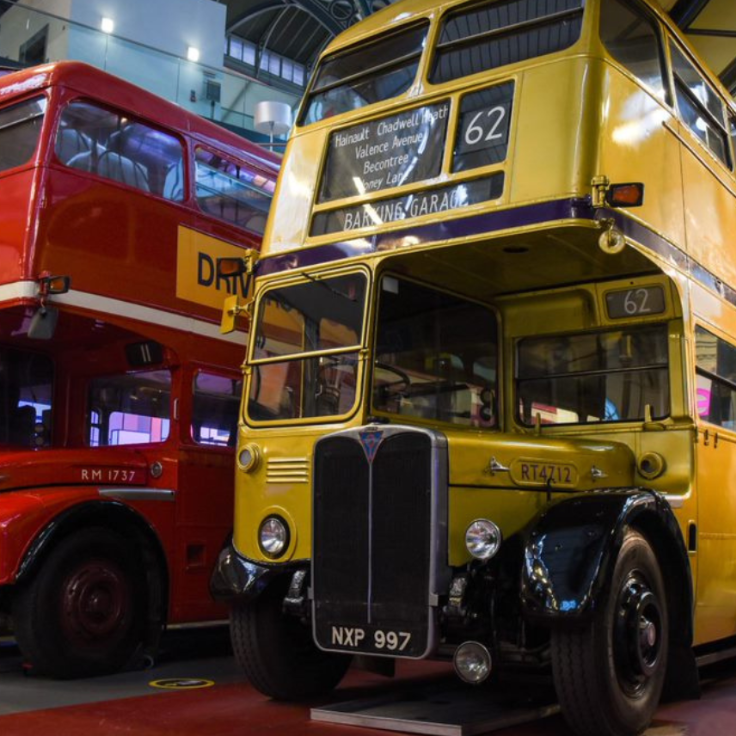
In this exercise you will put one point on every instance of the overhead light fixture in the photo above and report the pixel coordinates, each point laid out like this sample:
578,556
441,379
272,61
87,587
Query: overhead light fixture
193,53
107,25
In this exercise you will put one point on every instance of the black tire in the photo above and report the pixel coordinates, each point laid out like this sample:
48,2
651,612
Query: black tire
609,674
83,612
276,651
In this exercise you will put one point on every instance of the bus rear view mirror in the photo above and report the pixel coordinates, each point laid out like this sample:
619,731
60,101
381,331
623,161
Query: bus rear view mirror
54,285
230,311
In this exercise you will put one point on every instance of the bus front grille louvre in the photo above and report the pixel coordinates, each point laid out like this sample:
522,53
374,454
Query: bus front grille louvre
287,470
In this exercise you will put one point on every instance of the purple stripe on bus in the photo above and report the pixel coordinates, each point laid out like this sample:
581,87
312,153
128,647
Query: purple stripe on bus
562,209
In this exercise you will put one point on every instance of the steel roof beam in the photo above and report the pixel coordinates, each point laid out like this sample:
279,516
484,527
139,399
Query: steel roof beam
685,12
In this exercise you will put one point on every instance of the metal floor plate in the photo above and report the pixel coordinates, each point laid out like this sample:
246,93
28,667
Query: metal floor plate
445,711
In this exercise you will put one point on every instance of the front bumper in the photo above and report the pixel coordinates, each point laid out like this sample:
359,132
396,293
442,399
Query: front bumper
236,578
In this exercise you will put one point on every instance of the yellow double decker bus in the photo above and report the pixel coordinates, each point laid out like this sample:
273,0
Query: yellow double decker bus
490,395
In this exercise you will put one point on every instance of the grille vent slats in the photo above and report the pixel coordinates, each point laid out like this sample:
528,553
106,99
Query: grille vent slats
287,470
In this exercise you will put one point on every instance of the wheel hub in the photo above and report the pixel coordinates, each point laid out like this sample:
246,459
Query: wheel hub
95,601
638,633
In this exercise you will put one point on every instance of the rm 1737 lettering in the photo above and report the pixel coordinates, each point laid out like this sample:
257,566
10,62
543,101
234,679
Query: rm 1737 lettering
391,641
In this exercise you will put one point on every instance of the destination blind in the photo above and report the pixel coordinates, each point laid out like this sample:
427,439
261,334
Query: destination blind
428,202
390,152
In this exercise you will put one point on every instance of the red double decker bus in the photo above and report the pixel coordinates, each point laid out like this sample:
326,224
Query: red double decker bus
118,396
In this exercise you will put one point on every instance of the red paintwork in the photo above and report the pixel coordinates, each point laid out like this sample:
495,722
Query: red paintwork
116,242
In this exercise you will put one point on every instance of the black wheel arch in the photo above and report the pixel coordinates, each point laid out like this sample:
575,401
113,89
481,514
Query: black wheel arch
571,548
130,524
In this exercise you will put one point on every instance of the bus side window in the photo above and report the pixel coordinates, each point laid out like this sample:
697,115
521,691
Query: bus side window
20,129
113,146
700,108
215,409
129,409
716,379
231,191
634,41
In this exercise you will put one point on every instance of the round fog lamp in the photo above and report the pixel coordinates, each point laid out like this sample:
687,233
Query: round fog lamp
472,662
248,458
483,539
273,536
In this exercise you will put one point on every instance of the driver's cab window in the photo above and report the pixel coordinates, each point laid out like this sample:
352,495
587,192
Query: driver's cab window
129,409
436,356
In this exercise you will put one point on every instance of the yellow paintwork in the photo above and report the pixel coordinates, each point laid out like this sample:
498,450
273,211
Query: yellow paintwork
577,115
196,268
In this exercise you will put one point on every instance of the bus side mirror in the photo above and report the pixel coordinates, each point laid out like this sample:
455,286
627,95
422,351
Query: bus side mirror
230,310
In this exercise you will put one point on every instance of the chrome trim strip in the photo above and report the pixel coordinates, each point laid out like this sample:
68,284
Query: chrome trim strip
138,494
675,502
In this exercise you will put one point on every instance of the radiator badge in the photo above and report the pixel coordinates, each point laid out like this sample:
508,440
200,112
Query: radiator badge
370,441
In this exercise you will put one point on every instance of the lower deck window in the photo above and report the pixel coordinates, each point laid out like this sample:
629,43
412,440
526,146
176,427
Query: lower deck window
716,379
129,409
594,377
435,356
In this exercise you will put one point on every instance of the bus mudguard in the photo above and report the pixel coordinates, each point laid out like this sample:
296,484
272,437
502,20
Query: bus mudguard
237,579
572,546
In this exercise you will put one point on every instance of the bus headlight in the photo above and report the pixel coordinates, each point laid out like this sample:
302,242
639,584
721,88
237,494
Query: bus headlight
483,539
248,458
273,536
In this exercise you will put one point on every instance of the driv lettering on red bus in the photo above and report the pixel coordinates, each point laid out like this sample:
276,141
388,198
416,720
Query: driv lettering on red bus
207,276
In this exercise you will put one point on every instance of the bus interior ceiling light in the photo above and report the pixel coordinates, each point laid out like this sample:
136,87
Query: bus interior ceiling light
472,662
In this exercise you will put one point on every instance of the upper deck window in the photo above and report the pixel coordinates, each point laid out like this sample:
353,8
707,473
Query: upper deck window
20,129
116,147
633,39
700,107
491,35
232,191
594,377
375,71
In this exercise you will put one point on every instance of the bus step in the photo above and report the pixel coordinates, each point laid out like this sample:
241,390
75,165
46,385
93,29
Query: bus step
443,711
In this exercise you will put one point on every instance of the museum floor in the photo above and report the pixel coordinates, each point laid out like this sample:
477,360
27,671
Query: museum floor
129,704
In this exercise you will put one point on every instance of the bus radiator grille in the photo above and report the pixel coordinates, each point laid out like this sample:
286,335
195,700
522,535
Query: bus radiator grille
372,543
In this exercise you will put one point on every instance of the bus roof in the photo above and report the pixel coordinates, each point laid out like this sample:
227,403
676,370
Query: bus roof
107,88
402,12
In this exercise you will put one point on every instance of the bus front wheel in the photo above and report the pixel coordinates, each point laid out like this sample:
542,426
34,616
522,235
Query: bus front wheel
276,651
609,674
82,614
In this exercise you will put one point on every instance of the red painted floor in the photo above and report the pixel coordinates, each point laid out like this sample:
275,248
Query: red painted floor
238,710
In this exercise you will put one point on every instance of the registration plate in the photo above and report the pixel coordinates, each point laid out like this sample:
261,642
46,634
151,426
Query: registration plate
379,640
411,642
